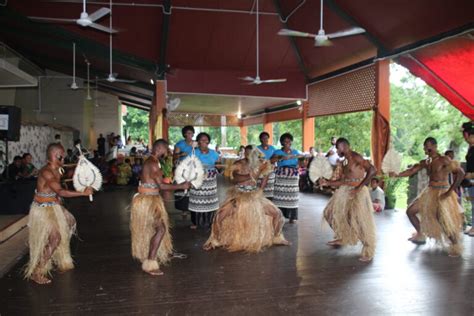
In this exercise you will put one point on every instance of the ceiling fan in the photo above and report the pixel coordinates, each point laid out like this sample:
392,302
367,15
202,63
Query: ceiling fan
84,20
172,103
257,80
323,39
112,77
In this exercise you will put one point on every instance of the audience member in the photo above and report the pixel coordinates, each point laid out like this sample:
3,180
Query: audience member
101,145
377,195
28,169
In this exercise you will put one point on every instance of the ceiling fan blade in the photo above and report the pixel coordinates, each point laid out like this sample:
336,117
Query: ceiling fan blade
287,32
248,78
55,20
125,80
274,80
323,43
102,28
99,14
347,32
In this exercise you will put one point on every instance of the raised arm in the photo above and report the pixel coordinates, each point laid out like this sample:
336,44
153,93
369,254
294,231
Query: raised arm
54,184
410,171
370,171
157,174
458,173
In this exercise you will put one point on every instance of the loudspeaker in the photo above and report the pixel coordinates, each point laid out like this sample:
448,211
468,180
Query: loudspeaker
10,122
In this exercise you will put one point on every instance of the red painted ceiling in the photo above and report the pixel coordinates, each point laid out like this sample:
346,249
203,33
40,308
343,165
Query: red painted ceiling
208,51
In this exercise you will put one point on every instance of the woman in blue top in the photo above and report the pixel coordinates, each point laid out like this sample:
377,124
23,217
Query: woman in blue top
266,183
182,149
204,202
286,193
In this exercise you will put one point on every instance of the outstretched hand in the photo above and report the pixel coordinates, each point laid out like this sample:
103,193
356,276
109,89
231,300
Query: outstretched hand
88,191
186,185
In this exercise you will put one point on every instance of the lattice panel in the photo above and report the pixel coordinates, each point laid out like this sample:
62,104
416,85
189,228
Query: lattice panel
351,92
197,119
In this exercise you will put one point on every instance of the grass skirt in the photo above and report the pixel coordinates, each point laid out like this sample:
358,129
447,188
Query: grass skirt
352,219
147,212
43,221
245,226
440,218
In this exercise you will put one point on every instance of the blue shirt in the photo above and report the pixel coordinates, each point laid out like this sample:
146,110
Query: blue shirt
269,152
290,162
184,148
209,159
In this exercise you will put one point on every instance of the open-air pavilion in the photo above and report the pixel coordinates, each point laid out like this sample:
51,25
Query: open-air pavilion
199,51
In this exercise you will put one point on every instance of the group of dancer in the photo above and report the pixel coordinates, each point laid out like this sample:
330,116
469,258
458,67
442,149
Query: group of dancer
251,218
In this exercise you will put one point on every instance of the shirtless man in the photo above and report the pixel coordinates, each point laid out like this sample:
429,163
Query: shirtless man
246,207
151,239
50,224
438,194
349,211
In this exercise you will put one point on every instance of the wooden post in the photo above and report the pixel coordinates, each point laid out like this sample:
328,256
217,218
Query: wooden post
243,134
268,127
308,128
381,117
158,122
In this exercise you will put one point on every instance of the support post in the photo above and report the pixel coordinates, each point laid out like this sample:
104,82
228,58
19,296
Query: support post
381,116
158,122
268,127
243,135
308,128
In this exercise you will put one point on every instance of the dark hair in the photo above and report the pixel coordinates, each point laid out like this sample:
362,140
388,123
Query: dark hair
449,151
57,136
263,134
468,127
17,158
159,142
201,135
250,147
375,179
342,140
51,147
187,128
127,160
285,136
430,140
77,141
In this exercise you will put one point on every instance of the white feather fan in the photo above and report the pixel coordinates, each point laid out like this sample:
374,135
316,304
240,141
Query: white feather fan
392,162
191,170
320,168
86,175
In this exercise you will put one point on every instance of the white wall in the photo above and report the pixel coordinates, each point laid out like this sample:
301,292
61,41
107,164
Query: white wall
60,105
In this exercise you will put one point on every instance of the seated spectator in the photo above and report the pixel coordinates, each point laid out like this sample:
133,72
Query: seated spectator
136,171
124,172
14,169
112,172
377,195
70,158
28,169
133,151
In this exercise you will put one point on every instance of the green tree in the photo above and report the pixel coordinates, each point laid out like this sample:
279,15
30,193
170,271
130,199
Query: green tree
253,131
356,127
293,127
136,123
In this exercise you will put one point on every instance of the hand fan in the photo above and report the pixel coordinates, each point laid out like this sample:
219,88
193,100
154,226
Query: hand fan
320,168
392,162
190,169
256,161
86,175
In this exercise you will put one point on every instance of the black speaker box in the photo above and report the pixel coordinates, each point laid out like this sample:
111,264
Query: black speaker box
10,122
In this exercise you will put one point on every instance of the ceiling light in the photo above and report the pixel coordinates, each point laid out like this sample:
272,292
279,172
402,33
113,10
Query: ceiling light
152,82
239,115
299,102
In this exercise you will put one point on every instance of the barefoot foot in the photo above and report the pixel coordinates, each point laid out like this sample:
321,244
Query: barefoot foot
417,238
40,279
154,272
365,259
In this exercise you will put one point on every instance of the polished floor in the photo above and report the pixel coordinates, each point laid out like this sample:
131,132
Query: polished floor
307,278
